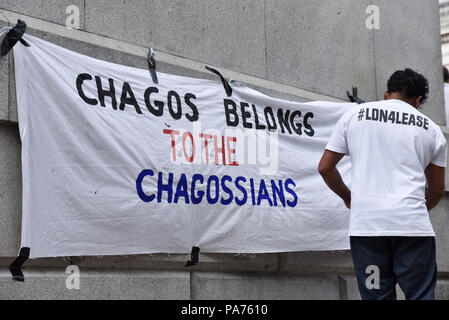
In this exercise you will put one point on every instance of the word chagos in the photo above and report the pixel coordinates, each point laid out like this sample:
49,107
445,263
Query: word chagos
128,98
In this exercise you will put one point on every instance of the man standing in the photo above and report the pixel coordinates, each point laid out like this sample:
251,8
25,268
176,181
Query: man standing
394,151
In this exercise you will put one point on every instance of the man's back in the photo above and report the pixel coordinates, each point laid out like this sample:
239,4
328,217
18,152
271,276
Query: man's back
390,144
395,150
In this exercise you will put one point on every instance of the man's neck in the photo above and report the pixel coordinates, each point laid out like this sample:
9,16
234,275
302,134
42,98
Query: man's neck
400,96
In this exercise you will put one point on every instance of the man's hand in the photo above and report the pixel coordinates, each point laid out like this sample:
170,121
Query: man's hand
327,169
435,185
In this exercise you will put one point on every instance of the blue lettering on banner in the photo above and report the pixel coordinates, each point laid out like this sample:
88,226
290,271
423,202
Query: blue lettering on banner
218,189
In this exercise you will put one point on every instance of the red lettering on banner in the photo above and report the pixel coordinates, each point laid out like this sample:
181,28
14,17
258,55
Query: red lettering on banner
219,150
206,138
231,151
184,137
224,148
172,134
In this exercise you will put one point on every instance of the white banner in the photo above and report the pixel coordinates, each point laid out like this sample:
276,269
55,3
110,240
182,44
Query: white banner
114,164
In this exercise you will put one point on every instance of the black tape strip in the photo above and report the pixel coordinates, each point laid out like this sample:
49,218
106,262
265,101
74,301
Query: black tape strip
354,96
152,66
11,38
226,84
194,257
16,266
22,41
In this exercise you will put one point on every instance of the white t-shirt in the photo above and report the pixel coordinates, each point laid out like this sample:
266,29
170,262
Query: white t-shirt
390,144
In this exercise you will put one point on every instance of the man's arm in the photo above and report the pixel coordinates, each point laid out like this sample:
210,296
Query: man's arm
435,185
327,169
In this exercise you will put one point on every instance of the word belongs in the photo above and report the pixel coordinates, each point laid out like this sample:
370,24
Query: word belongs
283,120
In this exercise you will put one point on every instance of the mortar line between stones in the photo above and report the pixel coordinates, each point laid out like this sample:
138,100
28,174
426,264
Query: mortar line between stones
190,285
265,35
84,15
375,66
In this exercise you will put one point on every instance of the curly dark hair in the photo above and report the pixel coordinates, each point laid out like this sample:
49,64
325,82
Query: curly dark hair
445,74
409,83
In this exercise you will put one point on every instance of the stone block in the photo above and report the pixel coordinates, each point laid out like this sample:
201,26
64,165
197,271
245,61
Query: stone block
313,262
348,287
13,114
10,190
49,284
440,222
323,48
49,10
229,34
409,36
350,290
442,289
255,286
160,261
445,131
4,88
237,262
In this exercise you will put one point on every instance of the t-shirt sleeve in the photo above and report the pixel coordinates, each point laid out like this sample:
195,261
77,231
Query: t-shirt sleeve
338,140
439,156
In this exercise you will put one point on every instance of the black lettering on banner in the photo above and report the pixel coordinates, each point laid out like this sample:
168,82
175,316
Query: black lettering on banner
231,111
188,97
79,86
178,114
106,93
159,104
256,119
309,130
283,121
268,112
128,98
298,126
245,115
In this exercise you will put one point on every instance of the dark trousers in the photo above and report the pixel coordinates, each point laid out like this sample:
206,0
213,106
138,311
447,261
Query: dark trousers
408,261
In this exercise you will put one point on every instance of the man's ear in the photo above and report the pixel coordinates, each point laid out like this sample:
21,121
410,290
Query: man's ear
386,94
417,101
